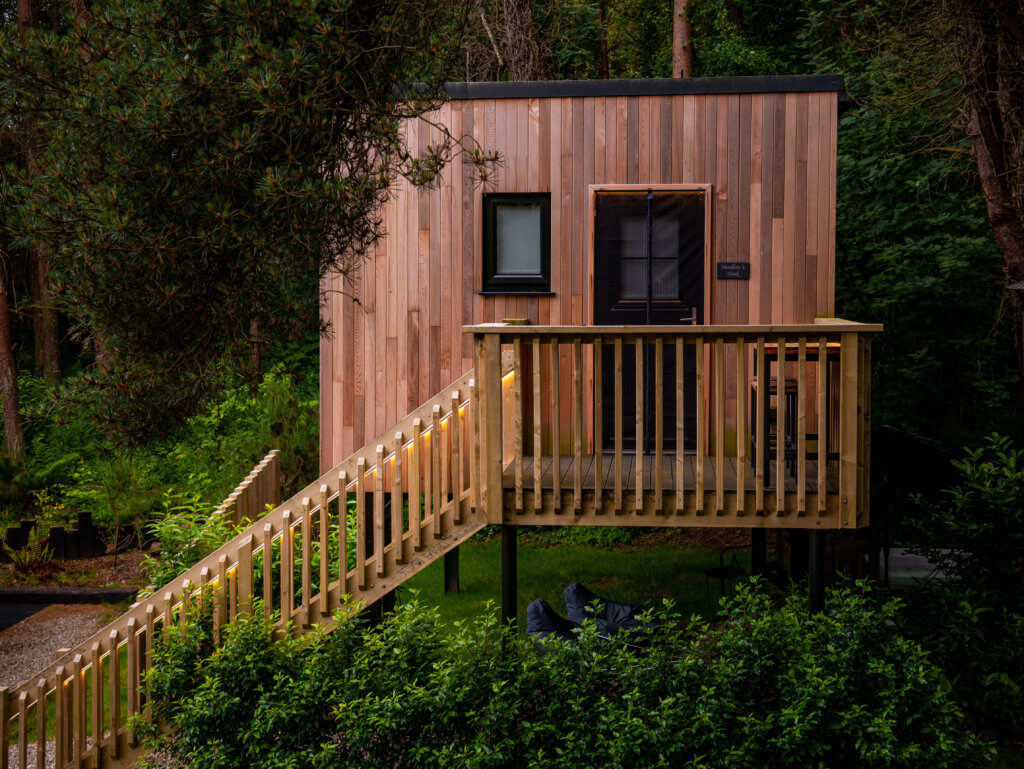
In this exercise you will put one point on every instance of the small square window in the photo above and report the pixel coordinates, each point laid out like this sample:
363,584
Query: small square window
517,243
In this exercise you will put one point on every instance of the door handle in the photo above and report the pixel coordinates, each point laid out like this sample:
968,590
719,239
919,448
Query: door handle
691,318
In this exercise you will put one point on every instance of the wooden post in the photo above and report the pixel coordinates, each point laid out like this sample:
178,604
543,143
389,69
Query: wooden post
114,677
5,732
848,429
509,574
489,370
451,571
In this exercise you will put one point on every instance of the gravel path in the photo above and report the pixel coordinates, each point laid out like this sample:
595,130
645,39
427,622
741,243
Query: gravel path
32,644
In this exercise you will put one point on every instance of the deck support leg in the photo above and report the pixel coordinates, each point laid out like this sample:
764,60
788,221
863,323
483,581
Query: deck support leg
451,571
758,552
816,576
798,544
509,598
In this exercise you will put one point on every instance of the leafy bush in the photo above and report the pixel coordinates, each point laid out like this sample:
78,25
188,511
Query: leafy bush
766,686
971,618
187,533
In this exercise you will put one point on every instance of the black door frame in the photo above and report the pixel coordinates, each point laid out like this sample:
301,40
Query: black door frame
640,189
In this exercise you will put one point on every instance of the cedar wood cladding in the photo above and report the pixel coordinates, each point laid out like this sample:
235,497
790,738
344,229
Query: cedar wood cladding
769,155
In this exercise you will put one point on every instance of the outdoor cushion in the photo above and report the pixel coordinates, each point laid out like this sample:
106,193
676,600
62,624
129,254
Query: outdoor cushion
544,622
581,604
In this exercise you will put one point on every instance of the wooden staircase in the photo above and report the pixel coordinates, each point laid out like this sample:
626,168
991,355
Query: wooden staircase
409,496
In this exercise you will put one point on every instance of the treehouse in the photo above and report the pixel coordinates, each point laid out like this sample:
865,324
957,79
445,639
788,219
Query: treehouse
642,295
632,323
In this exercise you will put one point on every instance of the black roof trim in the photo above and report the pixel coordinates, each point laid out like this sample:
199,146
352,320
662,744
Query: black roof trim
648,87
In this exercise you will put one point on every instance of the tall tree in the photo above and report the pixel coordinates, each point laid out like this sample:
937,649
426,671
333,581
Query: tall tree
682,40
208,163
44,314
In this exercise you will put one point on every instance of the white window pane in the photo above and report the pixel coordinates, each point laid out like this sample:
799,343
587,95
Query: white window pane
518,239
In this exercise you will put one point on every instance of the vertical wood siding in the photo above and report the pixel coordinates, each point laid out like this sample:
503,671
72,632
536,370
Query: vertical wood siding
770,158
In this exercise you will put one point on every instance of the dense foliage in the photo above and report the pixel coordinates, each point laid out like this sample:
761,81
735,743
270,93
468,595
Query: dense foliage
971,615
766,686
203,166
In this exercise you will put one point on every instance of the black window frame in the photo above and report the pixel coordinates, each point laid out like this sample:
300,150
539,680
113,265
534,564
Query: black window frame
497,283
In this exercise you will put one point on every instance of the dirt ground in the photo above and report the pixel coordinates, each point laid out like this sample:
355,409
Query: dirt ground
126,572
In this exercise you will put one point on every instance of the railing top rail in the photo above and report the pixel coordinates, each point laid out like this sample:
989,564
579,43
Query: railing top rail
825,327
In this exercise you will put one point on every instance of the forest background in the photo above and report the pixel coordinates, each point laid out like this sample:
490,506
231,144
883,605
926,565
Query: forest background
159,329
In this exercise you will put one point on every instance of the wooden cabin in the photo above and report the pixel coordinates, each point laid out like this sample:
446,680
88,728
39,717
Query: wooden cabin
697,217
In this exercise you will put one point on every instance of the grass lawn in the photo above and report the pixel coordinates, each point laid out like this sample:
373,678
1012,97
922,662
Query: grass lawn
652,567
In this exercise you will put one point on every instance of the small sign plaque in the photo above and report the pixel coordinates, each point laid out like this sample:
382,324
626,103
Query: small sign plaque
733,270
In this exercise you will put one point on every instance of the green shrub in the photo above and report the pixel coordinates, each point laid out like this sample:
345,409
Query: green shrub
971,615
765,686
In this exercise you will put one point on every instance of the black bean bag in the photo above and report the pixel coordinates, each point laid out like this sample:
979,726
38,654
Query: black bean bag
611,616
543,622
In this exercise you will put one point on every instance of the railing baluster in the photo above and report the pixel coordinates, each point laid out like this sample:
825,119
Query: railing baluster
306,555
363,582
701,425
415,510
458,483
378,510
397,503
435,481
78,711
538,435
556,429
244,574
97,699
268,570
287,568
598,380
517,420
659,424
22,729
343,588
741,426
801,427
60,719
474,453
5,731
41,740
719,426
617,346
821,383
577,425
429,514
220,609
763,391
780,427
680,426
114,682
638,452
324,504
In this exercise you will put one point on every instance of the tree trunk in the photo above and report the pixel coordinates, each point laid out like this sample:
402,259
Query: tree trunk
14,442
993,145
44,317
602,23
682,40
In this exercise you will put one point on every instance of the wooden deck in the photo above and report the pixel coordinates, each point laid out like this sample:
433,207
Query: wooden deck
718,504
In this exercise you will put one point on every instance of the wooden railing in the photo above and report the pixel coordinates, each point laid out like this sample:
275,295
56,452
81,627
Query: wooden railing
407,495
261,487
773,421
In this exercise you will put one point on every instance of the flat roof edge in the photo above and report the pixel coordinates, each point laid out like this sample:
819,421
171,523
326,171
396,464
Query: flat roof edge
647,87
